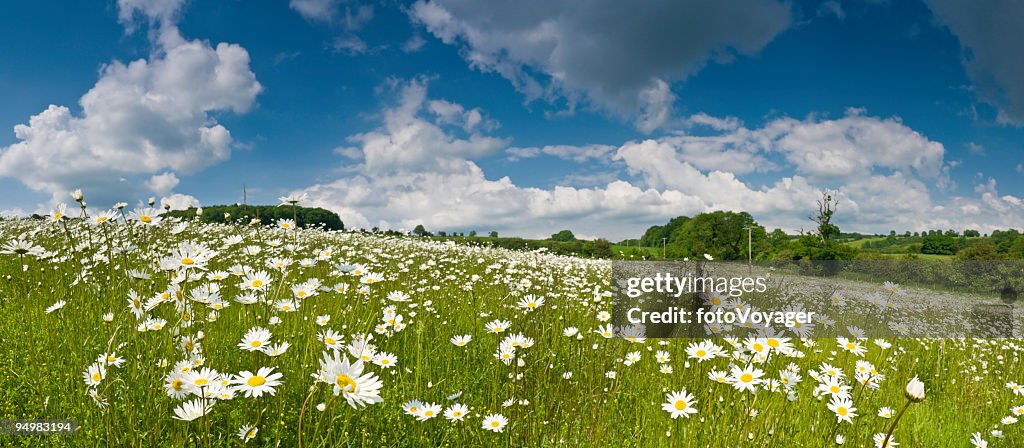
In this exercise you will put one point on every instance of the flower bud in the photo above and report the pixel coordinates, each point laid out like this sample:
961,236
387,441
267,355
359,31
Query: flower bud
915,390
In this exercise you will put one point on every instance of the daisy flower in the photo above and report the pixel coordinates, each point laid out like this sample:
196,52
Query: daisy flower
348,379
456,412
56,306
745,378
385,360
264,381
255,339
498,326
495,422
247,433
680,404
191,410
429,411
94,374
843,407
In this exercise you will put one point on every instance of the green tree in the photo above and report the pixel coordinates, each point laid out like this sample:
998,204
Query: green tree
564,235
938,244
420,230
721,234
983,250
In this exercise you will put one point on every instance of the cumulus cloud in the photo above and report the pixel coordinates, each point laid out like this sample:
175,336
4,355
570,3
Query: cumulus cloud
411,140
179,201
142,117
419,168
162,12
987,31
622,57
162,184
322,10
417,171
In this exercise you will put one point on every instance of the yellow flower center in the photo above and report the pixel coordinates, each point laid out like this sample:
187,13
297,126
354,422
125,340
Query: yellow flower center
146,219
773,342
428,413
177,384
255,381
111,359
841,411
680,405
300,294
746,378
495,424
329,341
758,347
202,382
347,384
701,353
96,377
257,283
255,344
187,261
834,389
456,414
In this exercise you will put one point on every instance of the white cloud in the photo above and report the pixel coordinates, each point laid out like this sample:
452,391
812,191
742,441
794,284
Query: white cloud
162,12
350,44
987,32
322,10
852,146
559,50
161,184
141,117
414,44
418,170
408,141
601,153
179,201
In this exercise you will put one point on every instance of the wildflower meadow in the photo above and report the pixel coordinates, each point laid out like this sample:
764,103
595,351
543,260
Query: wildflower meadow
150,330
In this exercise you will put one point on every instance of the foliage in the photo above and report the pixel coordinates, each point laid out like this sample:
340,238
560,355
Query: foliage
563,235
268,215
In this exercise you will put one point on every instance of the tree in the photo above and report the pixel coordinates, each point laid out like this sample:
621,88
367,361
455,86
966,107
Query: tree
1016,251
721,234
972,233
420,230
654,234
493,234
820,244
938,244
564,235
827,207
472,233
983,250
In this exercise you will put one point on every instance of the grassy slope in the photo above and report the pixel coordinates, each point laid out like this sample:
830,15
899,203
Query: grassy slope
42,357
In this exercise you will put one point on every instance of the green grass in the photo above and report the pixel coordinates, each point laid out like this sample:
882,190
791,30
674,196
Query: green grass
454,291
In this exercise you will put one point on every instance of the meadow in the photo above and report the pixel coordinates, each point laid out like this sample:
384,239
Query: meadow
167,332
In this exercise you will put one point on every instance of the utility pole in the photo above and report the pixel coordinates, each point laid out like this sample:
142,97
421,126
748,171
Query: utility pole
244,196
663,247
750,247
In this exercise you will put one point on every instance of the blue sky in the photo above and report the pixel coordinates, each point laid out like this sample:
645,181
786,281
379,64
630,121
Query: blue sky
592,116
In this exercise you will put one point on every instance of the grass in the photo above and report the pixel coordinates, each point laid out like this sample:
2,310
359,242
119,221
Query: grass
454,290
